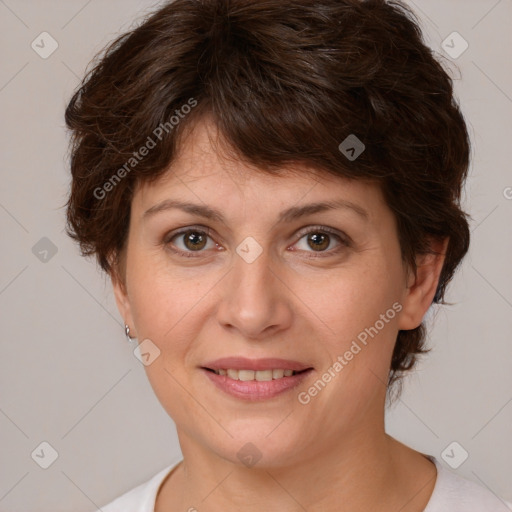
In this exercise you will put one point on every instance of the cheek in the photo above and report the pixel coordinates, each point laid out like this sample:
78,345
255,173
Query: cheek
162,307
168,305
163,311
358,311
354,298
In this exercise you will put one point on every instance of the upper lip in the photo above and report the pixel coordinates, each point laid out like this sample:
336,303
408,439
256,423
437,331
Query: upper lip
242,363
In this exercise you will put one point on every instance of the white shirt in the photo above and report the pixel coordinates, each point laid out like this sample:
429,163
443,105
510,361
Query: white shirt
452,493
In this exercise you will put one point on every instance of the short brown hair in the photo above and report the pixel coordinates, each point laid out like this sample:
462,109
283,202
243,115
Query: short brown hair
285,81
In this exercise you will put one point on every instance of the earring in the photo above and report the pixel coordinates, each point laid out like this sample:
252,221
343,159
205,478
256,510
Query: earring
127,334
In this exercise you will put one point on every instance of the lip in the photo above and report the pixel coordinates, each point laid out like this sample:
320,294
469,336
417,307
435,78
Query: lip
243,363
254,390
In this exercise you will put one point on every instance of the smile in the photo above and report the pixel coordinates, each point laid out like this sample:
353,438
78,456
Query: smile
255,379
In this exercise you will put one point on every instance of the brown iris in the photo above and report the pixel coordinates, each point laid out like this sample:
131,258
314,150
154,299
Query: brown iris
320,241
194,240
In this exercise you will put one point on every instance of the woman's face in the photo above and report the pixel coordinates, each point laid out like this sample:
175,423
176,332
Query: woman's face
263,274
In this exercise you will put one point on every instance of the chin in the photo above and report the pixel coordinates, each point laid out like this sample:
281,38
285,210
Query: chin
260,444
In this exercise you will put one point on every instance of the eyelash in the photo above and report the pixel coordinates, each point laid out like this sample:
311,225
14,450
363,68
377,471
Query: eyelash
343,239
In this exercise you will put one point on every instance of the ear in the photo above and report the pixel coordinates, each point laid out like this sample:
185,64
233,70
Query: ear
122,300
421,288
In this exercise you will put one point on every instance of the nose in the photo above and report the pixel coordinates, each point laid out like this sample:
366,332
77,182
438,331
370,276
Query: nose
254,299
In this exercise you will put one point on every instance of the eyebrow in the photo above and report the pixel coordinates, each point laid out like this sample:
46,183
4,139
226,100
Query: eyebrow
288,215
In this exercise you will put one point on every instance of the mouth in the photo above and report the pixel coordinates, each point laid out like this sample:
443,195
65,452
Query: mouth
255,379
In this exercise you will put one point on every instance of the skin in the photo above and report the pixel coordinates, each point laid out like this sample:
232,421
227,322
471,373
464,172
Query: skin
332,453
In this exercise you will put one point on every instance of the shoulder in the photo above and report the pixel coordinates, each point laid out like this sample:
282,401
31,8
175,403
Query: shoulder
454,493
141,498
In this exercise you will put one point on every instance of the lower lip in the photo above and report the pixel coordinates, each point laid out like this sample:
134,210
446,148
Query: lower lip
256,390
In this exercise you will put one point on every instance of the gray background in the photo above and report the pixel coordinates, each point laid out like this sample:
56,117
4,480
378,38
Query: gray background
69,378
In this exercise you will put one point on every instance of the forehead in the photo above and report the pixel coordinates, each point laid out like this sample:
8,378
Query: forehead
209,171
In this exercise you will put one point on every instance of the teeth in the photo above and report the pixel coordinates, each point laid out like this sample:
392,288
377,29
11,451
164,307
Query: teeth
232,374
277,374
259,375
246,374
263,375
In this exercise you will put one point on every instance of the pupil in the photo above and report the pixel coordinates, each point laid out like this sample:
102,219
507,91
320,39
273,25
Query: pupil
320,241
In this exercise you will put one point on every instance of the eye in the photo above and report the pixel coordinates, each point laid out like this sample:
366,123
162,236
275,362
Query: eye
189,241
192,241
321,239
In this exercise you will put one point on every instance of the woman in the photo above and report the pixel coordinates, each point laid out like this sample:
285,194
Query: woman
274,189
